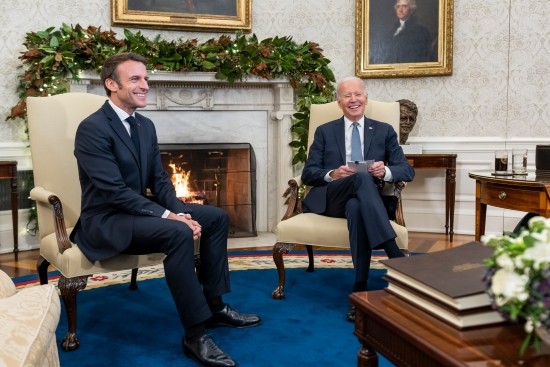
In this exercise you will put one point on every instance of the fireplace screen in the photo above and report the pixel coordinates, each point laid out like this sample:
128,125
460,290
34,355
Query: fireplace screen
223,175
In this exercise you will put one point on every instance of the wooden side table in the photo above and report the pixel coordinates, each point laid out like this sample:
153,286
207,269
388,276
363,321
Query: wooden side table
529,193
8,170
448,163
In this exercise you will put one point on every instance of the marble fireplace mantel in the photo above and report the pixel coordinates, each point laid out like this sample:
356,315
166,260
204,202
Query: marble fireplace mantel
198,108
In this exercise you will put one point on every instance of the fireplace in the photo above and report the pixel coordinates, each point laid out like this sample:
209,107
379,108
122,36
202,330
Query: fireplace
219,174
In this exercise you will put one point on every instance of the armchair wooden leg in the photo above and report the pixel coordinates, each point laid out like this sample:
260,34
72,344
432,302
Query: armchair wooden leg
42,269
133,280
69,288
311,265
279,250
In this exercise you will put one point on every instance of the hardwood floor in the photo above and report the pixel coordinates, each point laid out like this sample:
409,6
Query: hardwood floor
24,263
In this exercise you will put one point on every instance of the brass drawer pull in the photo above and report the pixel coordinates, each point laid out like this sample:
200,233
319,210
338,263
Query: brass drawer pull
502,195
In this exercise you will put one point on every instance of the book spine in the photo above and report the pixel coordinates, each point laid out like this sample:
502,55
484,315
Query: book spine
460,322
433,297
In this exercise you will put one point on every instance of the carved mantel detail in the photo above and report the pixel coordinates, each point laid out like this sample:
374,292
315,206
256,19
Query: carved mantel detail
185,98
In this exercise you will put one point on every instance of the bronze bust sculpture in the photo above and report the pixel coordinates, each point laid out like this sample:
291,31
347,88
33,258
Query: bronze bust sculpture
409,112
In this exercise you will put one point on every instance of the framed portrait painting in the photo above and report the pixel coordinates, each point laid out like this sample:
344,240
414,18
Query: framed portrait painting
198,15
403,38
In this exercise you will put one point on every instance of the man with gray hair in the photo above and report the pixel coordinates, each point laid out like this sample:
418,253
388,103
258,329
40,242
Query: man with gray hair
340,191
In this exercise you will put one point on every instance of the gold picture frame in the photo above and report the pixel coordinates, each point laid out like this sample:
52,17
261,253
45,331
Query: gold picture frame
379,53
198,15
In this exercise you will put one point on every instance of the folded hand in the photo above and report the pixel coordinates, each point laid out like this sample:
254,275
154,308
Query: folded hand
187,219
377,169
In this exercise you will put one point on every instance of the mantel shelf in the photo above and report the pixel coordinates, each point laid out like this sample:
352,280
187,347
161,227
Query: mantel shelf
191,77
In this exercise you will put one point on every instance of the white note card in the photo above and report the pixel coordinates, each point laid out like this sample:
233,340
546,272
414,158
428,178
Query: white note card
361,166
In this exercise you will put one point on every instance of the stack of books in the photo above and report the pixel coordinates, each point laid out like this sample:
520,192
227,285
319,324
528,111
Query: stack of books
447,284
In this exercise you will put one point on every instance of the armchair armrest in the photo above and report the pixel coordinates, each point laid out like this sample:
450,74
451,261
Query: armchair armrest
292,202
396,190
40,194
44,196
294,196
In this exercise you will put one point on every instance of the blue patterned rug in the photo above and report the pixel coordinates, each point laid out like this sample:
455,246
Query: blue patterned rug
238,260
119,327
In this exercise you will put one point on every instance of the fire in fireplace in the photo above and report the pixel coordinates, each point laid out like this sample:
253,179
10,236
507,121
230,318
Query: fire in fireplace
180,179
223,175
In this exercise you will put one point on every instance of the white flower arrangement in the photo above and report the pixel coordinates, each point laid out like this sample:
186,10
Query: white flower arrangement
518,277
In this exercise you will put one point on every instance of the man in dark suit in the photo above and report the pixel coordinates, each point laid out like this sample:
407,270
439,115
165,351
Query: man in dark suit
118,161
343,192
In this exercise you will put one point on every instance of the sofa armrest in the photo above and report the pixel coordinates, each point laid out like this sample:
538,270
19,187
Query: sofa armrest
7,288
42,195
29,319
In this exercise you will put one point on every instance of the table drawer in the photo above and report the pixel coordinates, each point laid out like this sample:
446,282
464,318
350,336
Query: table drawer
512,198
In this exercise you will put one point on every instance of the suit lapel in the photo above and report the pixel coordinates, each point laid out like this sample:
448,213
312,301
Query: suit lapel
122,133
120,130
139,122
340,134
368,135
144,146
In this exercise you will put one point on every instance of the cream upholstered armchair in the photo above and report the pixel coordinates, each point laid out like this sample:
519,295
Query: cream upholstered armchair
28,319
52,127
314,230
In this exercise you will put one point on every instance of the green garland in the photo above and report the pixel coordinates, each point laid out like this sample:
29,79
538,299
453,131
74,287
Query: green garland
53,56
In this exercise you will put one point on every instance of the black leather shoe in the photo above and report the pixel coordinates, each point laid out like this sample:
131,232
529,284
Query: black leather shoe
232,318
350,316
207,353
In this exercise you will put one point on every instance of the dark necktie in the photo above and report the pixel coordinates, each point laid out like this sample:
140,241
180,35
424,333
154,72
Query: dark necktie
356,154
134,134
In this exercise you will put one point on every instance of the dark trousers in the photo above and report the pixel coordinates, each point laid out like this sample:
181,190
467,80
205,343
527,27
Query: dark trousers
175,239
357,199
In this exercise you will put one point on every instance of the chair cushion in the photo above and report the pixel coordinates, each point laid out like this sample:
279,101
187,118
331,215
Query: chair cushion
72,262
319,230
29,319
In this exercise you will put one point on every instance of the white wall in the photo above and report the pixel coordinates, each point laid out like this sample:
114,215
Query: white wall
497,95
